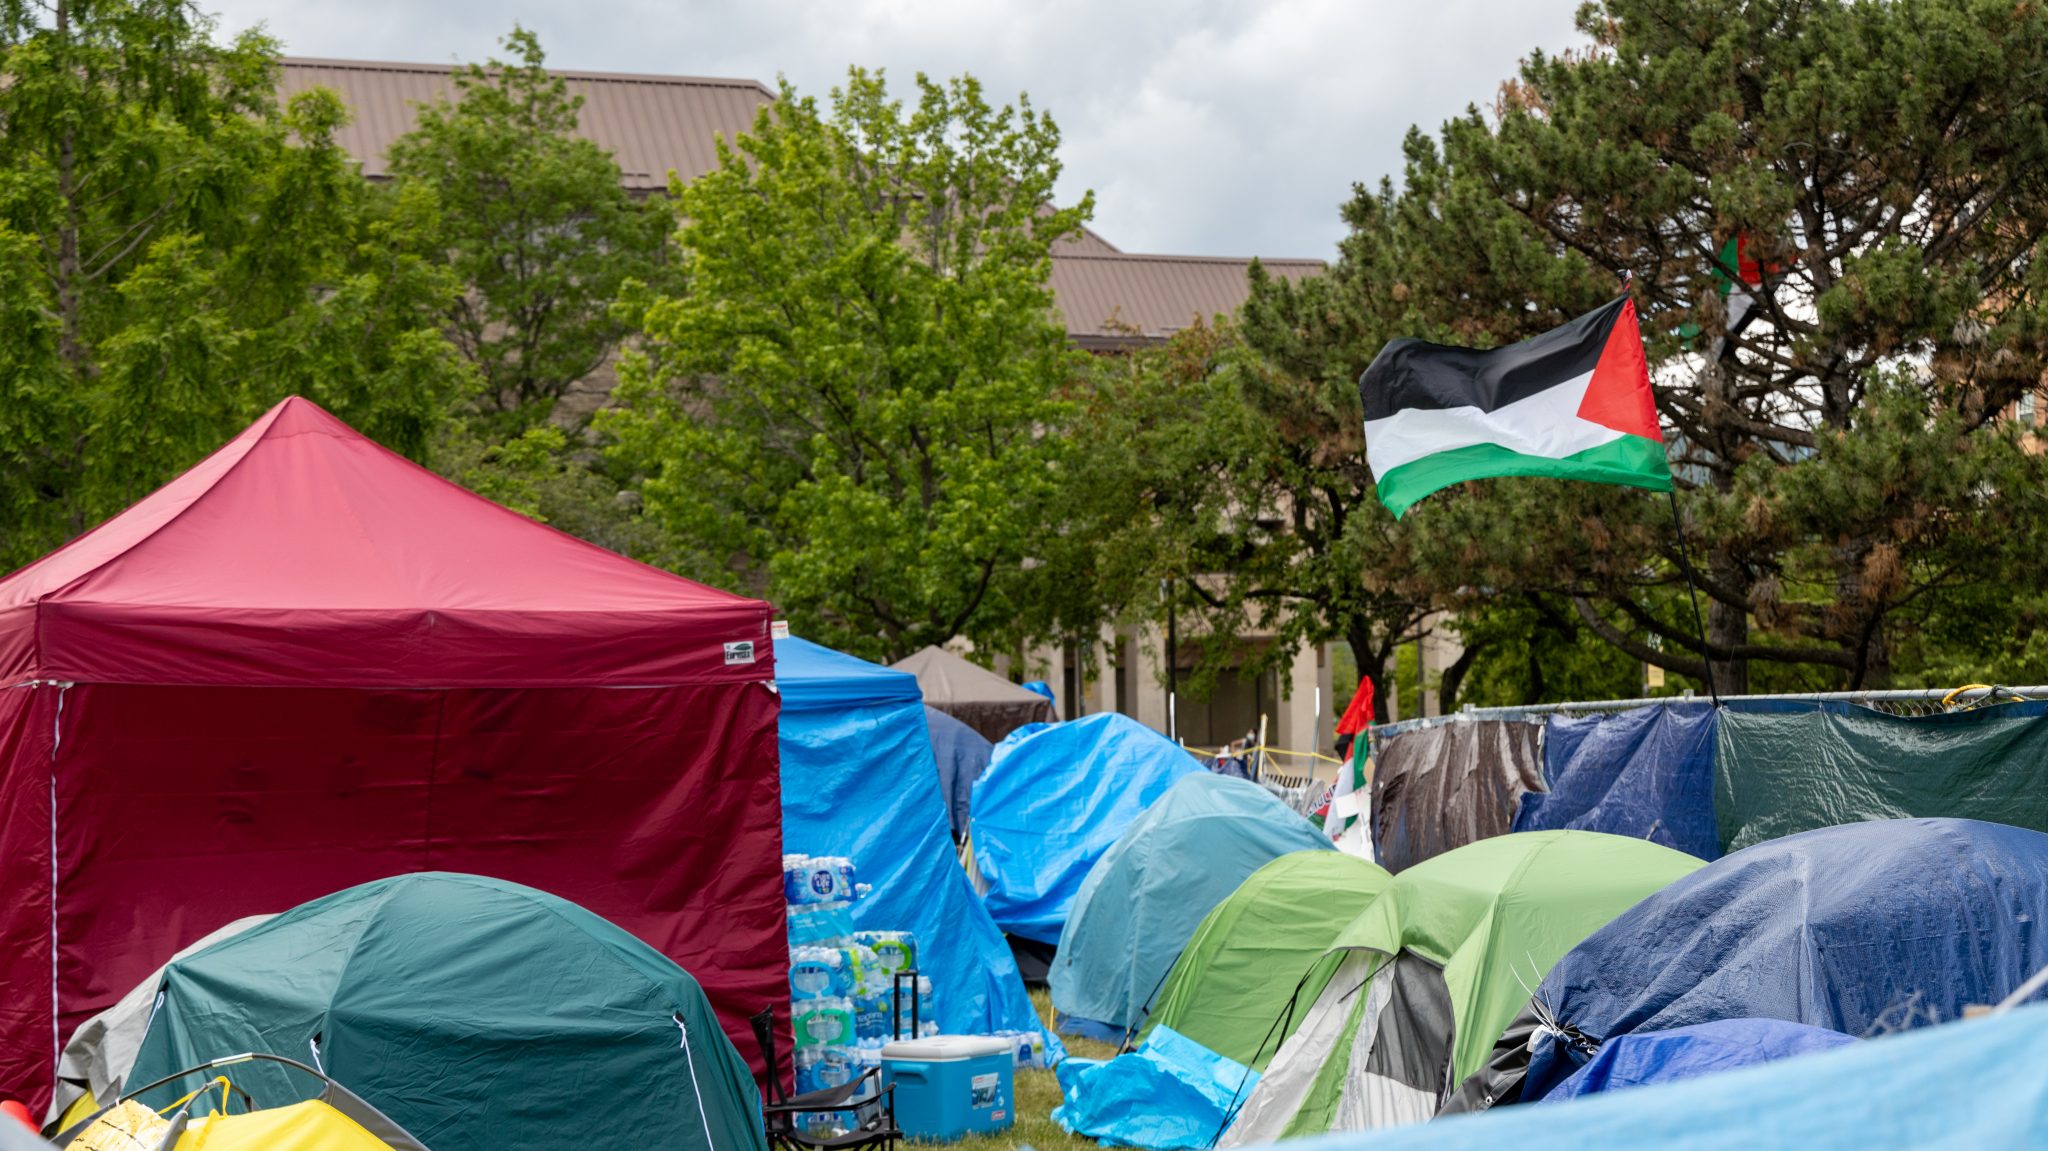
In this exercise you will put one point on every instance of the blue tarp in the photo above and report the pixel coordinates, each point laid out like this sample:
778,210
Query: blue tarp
1171,1094
1976,1084
1647,773
1150,890
1863,928
858,781
962,755
1650,1057
1052,801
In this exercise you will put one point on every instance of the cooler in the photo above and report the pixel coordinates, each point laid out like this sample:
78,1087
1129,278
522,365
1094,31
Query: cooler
951,1085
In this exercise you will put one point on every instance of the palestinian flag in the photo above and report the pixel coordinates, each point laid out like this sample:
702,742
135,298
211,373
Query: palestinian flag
1574,403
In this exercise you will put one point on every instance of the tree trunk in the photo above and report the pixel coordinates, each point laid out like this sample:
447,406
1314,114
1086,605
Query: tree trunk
1728,626
71,338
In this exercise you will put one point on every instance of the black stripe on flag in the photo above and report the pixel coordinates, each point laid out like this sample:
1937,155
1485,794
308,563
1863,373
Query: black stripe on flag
1416,374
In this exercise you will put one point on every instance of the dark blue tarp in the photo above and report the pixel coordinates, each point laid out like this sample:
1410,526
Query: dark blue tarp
1647,773
1648,1057
1052,801
858,781
962,754
1863,928
1975,1084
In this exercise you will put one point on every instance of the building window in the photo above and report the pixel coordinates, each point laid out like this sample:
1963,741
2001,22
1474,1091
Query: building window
2023,410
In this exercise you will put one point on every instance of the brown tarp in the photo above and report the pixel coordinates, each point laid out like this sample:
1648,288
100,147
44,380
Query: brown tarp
1450,784
975,696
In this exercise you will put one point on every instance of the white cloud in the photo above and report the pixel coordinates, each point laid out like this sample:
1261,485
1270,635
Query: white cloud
1204,127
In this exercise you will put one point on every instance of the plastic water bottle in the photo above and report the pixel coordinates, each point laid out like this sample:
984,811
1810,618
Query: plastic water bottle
894,950
820,973
826,1022
818,881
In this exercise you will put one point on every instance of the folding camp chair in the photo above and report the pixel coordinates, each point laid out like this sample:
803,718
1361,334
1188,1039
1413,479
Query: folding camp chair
871,1104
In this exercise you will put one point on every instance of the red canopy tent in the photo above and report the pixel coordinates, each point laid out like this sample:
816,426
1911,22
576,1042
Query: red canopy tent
308,663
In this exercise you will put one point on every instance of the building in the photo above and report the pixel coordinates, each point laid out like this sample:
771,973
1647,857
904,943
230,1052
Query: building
1112,301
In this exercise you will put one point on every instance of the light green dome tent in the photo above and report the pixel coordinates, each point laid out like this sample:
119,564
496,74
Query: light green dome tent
1412,996
477,1014
1229,989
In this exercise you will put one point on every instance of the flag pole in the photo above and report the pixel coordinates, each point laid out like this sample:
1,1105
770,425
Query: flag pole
1698,621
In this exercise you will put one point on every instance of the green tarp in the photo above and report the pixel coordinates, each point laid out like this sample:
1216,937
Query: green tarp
1229,989
1781,771
477,1014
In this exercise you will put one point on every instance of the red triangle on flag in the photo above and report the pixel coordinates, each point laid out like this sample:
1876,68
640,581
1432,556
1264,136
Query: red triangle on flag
1619,396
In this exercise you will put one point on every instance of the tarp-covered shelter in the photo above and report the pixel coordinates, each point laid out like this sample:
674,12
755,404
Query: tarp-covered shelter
312,663
1052,802
858,782
1647,1058
974,695
962,755
1791,767
1418,987
1439,787
1647,773
477,1014
1229,989
1144,898
1974,1084
1860,929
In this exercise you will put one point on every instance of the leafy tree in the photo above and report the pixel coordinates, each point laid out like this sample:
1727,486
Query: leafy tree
1211,479
1834,405
846,403
177,252
537,225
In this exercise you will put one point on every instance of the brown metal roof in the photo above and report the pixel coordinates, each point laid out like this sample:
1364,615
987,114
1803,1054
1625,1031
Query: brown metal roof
1117,301
650,124
655,124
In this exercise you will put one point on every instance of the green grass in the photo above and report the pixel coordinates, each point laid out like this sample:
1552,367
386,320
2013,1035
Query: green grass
1038,1092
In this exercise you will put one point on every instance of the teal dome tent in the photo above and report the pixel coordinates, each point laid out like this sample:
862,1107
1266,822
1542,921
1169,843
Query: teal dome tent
477,1014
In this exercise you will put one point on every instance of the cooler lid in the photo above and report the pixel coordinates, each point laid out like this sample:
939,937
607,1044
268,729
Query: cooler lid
946,1048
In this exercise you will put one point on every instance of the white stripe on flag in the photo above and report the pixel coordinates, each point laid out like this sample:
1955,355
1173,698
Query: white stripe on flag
1546,424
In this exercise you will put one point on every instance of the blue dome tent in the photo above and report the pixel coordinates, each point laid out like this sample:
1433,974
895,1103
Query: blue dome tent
1862,929
1150,890
858,781
1052,802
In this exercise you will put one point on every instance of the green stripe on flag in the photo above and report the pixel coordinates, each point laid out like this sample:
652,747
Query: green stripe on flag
1631,461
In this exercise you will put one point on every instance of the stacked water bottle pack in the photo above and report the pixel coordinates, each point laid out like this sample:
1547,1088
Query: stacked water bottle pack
842,982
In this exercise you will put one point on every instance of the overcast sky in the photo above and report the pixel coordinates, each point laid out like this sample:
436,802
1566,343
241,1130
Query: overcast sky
1204,127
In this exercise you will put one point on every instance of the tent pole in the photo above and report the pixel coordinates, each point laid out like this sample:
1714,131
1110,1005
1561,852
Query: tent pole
1172,667
1698,620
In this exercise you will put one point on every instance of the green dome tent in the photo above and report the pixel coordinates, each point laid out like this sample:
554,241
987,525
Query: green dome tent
1413,994
1230,987
477,1014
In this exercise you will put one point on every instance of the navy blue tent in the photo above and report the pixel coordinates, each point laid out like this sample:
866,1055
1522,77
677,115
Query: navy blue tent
1647,773
1647,1057
858,781
1864,928
962,754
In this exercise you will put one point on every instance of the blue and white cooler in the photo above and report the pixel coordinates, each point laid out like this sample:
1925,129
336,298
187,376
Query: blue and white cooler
948,1086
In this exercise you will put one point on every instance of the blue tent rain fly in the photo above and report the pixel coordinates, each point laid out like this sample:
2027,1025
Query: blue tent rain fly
1862,929
1972,1084
1052,802
1149,892
1644,1058
1647,773
858,781
962,754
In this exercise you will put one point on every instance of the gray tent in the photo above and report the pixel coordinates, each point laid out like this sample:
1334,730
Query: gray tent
975,696
103,1048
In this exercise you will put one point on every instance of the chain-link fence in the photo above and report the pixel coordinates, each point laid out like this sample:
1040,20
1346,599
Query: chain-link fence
1909,702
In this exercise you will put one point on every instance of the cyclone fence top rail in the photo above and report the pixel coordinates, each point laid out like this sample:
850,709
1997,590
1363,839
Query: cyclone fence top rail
1901,702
